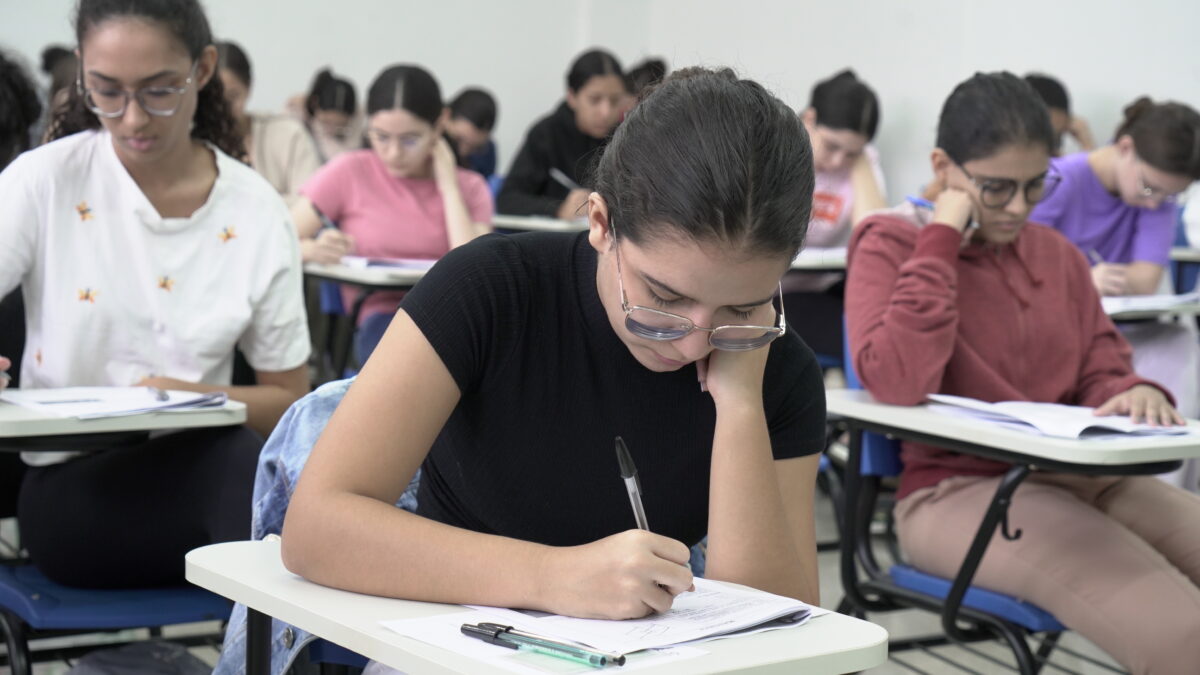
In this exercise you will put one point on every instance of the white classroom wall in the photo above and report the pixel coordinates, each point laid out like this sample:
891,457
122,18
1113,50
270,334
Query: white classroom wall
912,52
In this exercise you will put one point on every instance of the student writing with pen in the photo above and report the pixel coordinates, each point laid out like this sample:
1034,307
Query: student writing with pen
545,178
513,365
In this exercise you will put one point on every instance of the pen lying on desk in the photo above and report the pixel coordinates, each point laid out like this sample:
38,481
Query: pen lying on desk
507,636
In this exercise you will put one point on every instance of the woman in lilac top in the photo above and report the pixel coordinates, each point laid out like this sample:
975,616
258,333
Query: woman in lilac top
1118,205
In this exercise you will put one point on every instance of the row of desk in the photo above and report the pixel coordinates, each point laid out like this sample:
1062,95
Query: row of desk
252,572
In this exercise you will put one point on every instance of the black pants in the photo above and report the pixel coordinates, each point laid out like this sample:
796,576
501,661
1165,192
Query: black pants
125,517
817,317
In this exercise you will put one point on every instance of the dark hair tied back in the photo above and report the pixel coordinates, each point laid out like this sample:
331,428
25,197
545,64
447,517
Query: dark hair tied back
406,87
331,93
186,22
592,63
845,102
989,111
1166,135
713,158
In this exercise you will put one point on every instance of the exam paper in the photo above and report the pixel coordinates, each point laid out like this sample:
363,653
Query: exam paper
1049,419
443,630
710,611
1115,304
96,402
359,262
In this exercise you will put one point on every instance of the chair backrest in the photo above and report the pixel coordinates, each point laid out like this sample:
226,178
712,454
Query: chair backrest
1184,275
880,454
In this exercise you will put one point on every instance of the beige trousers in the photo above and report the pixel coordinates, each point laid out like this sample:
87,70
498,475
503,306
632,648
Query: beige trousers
1115,559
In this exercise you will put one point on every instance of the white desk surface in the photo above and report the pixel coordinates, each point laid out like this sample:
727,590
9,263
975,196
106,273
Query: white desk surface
537,224
19,422
1185,254
389,277
251,572
858,404
821,260
1186,309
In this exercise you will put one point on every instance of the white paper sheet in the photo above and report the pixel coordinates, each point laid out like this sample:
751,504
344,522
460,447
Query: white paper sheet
359,262
96,402
711,610
444,631
1139,303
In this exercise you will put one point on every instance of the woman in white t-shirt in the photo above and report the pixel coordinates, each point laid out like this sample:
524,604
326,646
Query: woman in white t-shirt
146,254
841,119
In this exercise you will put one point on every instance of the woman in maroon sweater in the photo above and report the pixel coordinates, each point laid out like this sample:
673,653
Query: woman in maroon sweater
1006,310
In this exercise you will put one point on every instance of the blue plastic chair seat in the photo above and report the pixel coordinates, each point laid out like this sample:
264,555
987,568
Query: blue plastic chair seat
1030,617
827,361
45,605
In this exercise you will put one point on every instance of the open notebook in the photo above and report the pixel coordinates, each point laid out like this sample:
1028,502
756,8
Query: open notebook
1047,419
95,402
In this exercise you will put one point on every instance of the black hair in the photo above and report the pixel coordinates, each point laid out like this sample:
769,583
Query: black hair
1167,135
592,63
59,63
648,72
406,87
475,106
1053,93
331,93
989,111
183,19
845,102
19,109
231,57
711,158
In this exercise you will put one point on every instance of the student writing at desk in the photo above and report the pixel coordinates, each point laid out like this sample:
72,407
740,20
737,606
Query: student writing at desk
519,359
546,177
1007,311
146,254
404,197
1117,204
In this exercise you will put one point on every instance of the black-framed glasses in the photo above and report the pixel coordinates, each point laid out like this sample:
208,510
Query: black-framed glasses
110,101
655,324
996,193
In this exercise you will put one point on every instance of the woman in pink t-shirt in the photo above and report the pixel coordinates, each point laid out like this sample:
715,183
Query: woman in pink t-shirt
404,197
841,119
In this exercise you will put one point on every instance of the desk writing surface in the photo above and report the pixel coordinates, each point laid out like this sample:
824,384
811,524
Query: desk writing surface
858,404
20,422
538,224
251,572
381,277
1185,254
820,260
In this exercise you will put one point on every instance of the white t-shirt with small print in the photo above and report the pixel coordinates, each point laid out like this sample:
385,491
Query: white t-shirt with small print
115,293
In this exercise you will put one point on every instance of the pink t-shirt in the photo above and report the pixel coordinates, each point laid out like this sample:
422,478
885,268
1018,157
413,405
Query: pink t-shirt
833,202
389,217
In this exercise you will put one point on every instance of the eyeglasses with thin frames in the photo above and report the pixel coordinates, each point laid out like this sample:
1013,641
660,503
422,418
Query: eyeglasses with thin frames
111,103
655,324
408,142
996,193
1149,191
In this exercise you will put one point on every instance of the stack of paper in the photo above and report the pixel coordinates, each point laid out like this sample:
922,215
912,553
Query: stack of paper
96,402
1048,419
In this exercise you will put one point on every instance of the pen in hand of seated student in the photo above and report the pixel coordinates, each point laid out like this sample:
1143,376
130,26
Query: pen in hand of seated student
328,247
1143,403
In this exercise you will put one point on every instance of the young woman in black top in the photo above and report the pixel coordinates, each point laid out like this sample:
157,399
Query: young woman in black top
547,175
513,365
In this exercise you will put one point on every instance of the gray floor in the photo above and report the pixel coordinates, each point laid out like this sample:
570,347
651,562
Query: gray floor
898,624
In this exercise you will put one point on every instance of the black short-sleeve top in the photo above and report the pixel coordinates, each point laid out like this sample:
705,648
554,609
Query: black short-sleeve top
546,385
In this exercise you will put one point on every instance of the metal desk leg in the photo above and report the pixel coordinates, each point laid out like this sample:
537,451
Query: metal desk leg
258,643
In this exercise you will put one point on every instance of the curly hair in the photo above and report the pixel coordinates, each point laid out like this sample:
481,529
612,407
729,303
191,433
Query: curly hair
184,19
19,109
